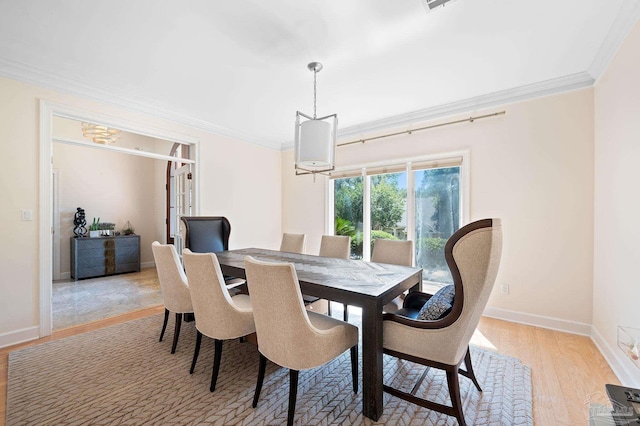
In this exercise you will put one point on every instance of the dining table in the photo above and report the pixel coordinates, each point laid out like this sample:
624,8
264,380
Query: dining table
367,285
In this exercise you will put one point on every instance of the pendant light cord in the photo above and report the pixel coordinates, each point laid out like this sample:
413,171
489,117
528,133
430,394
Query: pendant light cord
315,72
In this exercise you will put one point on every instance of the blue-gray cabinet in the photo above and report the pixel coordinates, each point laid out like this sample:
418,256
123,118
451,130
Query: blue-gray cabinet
98,257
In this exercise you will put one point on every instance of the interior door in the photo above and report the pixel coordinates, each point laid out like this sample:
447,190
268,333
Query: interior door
181,192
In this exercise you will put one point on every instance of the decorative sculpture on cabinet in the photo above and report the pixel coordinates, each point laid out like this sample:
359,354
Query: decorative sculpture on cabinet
80,221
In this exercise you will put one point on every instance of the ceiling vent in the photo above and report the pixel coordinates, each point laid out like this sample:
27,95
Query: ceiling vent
430,5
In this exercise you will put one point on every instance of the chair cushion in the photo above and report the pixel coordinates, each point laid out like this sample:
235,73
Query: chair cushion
438,305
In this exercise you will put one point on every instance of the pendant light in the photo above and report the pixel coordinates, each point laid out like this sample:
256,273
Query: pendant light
315,139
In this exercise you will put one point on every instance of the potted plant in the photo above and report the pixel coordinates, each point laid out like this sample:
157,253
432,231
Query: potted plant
94,228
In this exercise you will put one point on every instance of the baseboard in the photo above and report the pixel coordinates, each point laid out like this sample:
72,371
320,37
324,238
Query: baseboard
145,265
19,336
65,275
551,323
623,368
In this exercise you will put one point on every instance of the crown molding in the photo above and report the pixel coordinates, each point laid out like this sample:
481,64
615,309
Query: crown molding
22,72
627,17
529,91
28,74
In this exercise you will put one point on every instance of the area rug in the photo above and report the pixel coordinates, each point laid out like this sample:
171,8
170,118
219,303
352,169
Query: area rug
123,375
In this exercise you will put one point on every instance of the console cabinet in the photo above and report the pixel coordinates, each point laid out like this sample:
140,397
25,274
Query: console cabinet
97,257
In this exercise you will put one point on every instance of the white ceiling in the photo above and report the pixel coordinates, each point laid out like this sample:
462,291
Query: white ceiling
238,68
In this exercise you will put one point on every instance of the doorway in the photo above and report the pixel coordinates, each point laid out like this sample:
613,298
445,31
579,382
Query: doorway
51,112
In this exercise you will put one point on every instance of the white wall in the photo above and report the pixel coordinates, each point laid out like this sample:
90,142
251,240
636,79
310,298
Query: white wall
112,186
616,297
533,168
238,180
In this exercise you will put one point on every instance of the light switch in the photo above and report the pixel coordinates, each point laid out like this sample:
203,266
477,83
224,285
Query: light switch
27,215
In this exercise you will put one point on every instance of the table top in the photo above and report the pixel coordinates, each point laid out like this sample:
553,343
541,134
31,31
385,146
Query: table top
353,276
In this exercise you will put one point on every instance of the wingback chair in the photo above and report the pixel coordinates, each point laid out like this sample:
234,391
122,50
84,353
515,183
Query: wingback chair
473,256
206,234
217,314
173,285
288,334
292,243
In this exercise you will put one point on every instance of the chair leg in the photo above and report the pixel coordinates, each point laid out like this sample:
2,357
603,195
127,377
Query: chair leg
217,356
261,369
329,307
293,393
470,373
196,351
346,312
354,367
454,393
164,324
176,333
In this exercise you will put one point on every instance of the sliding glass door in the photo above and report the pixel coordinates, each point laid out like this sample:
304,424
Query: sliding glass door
437,217
416,201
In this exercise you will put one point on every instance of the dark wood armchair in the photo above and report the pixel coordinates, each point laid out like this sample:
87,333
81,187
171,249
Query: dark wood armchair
473,256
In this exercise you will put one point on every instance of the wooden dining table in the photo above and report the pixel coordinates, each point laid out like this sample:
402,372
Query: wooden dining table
368,285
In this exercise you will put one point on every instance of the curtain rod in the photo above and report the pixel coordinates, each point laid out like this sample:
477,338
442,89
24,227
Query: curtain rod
464,120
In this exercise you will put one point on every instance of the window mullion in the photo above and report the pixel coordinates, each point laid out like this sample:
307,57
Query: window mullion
366,216
410,206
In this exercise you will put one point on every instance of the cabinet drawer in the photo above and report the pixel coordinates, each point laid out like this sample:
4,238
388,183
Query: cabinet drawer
89,243
90,257
128,242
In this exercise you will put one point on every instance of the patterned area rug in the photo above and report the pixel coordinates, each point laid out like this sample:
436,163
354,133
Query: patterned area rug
123,375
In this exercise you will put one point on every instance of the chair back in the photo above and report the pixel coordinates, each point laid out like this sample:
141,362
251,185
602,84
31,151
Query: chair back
173,281
473,255
292,243
216,314
338,246
206,234
285,333
393,252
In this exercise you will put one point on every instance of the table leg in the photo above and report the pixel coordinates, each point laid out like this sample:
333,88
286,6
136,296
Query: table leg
372,373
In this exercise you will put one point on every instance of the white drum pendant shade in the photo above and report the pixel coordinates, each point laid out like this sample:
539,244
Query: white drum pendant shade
315,145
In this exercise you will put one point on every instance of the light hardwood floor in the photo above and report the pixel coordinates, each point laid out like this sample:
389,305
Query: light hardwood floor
567,370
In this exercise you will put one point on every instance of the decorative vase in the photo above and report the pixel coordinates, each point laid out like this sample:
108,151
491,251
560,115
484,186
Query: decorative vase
94,234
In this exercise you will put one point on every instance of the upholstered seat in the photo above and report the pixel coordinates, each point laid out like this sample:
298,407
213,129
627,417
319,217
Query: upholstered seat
393,252
173,285
287,333
292,243
208,234
337,246
217,314
473,256
205,234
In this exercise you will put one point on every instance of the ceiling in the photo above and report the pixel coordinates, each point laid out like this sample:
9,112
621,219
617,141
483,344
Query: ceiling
238,68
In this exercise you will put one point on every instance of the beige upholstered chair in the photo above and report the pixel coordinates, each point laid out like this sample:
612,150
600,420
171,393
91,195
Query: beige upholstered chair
173,285
338,246
292,243
288,334
473,255
395,253
218,315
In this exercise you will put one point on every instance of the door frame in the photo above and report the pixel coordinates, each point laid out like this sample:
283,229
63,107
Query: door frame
45,211
55,228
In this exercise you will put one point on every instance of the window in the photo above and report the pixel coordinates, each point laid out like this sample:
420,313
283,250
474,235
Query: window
416,200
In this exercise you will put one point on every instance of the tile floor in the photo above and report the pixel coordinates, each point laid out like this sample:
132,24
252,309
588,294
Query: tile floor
83,301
